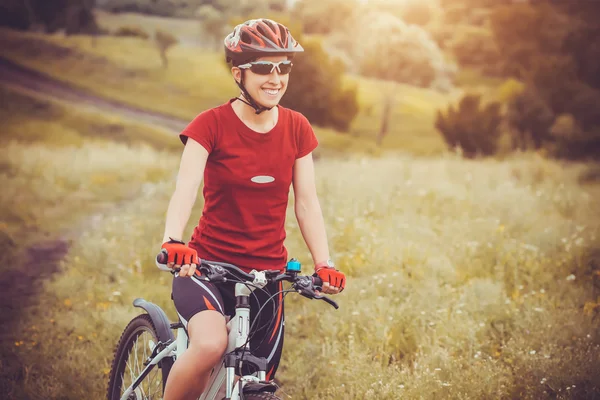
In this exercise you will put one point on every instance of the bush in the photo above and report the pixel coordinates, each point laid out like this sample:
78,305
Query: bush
530,119
510,89
475,47
472,128
571,141
132,31
316,88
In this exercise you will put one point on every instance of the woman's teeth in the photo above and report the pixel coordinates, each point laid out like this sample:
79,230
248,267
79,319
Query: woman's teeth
272,92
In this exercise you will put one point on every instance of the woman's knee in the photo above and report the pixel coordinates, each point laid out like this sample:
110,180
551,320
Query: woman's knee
208,335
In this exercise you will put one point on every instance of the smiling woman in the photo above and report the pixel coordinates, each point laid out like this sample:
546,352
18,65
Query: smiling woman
248,152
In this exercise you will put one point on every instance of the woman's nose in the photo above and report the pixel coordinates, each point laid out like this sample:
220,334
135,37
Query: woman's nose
274,76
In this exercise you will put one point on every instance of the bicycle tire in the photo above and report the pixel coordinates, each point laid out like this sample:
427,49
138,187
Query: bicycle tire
261,396
136,327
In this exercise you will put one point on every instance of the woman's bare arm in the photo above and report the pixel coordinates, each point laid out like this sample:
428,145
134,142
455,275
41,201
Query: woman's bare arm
189,178
308,210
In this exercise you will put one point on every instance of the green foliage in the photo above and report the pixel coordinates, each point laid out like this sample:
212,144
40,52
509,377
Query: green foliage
531,118
132,31
510,89
402,53
316,88
570,141
74,16
475,47
553,47
472,128
524,32
323,17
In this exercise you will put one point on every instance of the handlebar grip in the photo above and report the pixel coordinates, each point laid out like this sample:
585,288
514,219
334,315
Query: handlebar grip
317,281
161,261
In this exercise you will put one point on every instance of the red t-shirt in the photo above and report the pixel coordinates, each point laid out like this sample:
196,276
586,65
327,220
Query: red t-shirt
246,185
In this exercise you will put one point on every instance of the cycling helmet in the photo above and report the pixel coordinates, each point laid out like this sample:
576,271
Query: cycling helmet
256,38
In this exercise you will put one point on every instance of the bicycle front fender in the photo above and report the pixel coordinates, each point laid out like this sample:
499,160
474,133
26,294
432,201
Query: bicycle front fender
159,319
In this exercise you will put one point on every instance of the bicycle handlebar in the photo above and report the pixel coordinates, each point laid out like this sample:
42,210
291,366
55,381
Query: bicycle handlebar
216,271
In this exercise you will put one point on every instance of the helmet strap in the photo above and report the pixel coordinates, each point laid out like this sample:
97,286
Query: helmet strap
258,109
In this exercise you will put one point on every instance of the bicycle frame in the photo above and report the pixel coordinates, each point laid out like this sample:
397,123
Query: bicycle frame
238,328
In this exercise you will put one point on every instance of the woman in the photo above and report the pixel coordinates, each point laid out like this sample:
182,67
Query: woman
248,152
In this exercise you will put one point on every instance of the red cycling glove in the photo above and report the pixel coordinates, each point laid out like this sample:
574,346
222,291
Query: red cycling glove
180,254
333,276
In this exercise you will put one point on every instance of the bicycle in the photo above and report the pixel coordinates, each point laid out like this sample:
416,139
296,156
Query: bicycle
162,348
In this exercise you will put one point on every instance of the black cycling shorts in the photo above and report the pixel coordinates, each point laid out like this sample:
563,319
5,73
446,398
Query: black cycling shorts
192,296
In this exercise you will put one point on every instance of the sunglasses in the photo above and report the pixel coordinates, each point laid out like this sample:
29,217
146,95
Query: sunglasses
267,67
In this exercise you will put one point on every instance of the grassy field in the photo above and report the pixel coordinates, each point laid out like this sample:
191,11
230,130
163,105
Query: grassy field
129,70
468,279
188,31
31,117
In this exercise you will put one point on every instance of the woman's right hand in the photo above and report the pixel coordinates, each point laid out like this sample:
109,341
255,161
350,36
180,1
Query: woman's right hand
181,256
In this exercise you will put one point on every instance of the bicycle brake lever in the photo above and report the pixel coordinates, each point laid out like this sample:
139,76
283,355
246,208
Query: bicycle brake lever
327,300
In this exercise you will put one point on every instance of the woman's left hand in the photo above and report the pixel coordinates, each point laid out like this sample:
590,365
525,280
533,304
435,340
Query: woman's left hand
334,281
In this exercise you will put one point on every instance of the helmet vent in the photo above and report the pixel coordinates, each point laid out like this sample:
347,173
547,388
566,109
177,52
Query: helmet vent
246,38
262,30
284,36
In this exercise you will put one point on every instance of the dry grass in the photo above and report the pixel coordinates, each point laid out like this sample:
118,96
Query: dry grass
29,117
411,123
127,69
188,31
468,279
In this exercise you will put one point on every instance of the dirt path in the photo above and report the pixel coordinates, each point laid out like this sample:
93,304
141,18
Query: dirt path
22,282
21,285
12,74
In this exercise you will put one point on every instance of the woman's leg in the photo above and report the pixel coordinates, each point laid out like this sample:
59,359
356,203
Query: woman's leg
208,341
200,308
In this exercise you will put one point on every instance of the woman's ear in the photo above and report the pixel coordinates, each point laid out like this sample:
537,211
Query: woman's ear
237,74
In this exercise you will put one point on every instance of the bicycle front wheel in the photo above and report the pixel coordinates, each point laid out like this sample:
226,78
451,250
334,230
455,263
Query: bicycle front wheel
130,359
261,396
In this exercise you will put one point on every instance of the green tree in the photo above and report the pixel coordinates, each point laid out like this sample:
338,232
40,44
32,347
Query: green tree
471,127
74,16
475,47
402,53
323,17
553,48
530,119
164,41
316,88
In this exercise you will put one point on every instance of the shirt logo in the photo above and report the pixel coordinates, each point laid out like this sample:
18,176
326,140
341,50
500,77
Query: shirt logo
262,179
